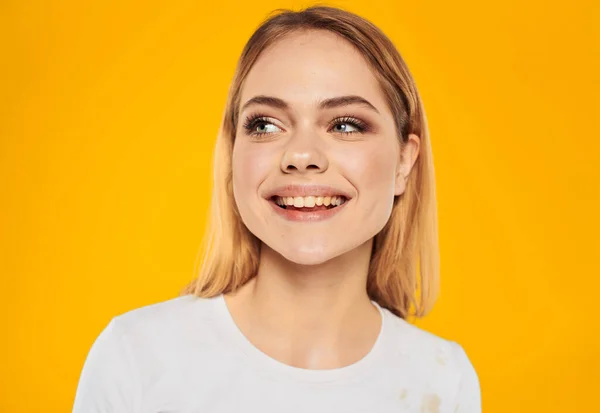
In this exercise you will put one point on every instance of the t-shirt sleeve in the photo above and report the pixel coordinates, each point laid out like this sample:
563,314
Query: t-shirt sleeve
108,381
468,398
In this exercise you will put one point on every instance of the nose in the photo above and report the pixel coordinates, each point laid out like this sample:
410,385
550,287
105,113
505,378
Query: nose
303,154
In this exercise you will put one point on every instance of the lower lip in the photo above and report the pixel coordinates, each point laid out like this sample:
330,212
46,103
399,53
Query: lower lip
296,215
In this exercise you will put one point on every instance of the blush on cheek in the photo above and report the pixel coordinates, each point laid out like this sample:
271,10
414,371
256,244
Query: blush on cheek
375,171
250,167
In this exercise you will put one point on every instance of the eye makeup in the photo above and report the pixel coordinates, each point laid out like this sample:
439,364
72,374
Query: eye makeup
360,125
258,119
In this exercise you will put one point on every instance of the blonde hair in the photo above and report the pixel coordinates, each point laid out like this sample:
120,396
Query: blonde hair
404,268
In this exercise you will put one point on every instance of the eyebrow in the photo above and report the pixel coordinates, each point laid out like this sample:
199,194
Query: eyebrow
323,104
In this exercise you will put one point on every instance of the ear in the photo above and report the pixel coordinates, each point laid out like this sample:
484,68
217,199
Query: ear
408,156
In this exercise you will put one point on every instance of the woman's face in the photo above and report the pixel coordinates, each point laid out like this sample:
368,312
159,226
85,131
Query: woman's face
312,113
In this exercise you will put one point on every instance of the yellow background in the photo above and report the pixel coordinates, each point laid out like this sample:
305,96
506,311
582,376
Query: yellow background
108,116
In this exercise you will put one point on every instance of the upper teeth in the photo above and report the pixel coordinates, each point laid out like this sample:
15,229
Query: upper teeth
309,201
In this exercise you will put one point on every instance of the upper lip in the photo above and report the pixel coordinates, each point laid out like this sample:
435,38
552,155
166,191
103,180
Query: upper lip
306,190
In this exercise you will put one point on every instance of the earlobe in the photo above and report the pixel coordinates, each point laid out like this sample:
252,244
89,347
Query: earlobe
401,180
408,157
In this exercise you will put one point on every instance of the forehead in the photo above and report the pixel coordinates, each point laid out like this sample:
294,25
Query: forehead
304,67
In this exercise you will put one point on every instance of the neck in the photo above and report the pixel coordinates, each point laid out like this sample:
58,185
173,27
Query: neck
315,310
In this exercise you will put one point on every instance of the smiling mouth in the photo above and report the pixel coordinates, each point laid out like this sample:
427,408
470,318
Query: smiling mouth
308,204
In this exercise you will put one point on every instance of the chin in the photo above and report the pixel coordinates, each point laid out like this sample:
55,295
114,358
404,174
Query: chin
308,254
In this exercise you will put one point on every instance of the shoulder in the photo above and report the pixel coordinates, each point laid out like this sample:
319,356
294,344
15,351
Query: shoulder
138,346
421,344
163,311
166,319
438,363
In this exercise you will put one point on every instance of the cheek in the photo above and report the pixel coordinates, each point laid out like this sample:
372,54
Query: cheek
250,166
372,169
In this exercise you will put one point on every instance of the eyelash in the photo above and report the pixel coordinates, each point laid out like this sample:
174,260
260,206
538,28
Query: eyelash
253,120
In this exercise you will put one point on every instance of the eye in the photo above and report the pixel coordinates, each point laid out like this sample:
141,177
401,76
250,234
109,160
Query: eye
345,127
348,125
265,127
260,125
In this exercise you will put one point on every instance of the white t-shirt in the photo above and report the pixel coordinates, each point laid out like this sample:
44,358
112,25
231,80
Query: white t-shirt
187,355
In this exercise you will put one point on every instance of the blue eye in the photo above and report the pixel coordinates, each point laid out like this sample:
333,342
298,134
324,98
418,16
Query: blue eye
260,125
264,127
348,125
345,127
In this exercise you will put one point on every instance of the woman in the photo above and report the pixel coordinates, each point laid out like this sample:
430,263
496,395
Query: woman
324,200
